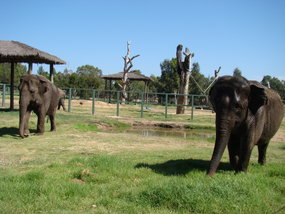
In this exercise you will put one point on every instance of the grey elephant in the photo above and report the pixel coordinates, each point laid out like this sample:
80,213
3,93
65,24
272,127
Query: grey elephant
247,114
61,100
39,95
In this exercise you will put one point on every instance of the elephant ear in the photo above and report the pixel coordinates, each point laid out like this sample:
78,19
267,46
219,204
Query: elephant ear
43,86
258,96
22,80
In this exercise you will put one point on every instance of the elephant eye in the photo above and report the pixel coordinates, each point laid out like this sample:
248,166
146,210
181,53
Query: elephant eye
238,106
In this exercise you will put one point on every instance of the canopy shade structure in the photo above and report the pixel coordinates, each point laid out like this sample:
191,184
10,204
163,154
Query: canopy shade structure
131,77
17,52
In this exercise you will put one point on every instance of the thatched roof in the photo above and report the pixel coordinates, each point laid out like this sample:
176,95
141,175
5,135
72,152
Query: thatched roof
12,51
131,76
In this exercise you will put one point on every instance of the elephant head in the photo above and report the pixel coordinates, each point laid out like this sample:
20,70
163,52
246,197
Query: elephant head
233,100
32,88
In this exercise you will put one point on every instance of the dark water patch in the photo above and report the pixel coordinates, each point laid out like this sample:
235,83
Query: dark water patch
204,134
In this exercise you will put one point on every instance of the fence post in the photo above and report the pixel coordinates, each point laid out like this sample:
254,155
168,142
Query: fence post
192,104
93,101
142,103
69,99
166,103
3,95
118,103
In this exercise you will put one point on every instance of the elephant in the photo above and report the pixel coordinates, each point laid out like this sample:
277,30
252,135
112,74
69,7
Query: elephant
247,114
61,100
41,96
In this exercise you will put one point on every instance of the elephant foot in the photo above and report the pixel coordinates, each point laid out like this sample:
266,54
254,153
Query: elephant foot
39,133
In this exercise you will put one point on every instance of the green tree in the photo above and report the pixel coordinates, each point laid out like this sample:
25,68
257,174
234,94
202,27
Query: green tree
169,79
198,82
89,76
275,84
5,71
237,72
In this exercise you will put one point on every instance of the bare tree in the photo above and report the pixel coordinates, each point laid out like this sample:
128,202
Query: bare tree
128,64
183,69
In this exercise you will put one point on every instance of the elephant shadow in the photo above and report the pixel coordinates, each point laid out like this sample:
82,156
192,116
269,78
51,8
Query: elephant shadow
181,166
12,131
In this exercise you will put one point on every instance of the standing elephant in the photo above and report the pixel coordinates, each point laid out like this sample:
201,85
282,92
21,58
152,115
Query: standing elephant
38,94
247,114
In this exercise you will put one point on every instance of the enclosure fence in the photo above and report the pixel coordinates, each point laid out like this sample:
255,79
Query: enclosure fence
137,103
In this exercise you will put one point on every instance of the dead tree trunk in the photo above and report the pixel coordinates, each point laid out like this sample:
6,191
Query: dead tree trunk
127,66
184,71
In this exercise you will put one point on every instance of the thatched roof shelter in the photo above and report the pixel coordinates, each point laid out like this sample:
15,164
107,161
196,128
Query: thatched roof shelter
16,52
131,77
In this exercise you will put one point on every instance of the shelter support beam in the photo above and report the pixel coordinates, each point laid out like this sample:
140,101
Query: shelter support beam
30,70
12,86
51,72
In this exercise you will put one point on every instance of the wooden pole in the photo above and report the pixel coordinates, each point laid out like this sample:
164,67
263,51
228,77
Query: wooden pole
12,86
30,70
51,72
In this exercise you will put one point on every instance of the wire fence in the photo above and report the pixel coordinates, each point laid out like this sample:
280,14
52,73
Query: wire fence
108,102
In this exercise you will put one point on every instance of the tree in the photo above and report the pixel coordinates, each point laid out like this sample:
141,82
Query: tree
5,71
198,82
169,79
128,64
275,84
237,72
183,69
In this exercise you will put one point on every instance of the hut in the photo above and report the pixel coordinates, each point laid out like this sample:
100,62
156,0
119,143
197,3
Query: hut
132,76
16,52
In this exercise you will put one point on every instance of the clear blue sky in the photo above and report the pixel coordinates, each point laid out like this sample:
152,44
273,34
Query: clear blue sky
248,34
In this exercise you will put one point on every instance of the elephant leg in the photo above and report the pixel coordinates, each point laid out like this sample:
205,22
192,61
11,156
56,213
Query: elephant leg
246,147
262,147
233,148
41,123
26,125
52,122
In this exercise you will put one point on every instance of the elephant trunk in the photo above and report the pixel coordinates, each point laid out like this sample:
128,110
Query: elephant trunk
223,133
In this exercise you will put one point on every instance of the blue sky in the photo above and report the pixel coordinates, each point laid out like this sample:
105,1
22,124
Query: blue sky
248,34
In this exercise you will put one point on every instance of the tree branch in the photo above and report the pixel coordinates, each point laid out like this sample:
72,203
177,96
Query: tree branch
134,57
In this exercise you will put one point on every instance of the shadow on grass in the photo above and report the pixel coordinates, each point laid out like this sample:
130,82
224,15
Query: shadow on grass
181,166
8,110
12,131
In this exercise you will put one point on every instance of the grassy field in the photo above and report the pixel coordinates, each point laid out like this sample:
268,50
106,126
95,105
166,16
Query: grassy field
84,167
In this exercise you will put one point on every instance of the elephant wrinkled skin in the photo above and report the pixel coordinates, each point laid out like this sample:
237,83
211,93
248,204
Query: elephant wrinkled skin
247,114
39,95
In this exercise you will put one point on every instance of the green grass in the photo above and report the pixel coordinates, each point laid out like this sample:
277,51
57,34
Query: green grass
81,168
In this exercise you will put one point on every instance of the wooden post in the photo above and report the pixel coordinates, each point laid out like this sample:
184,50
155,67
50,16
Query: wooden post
105,92
110,88
12,86
51,72
30,70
